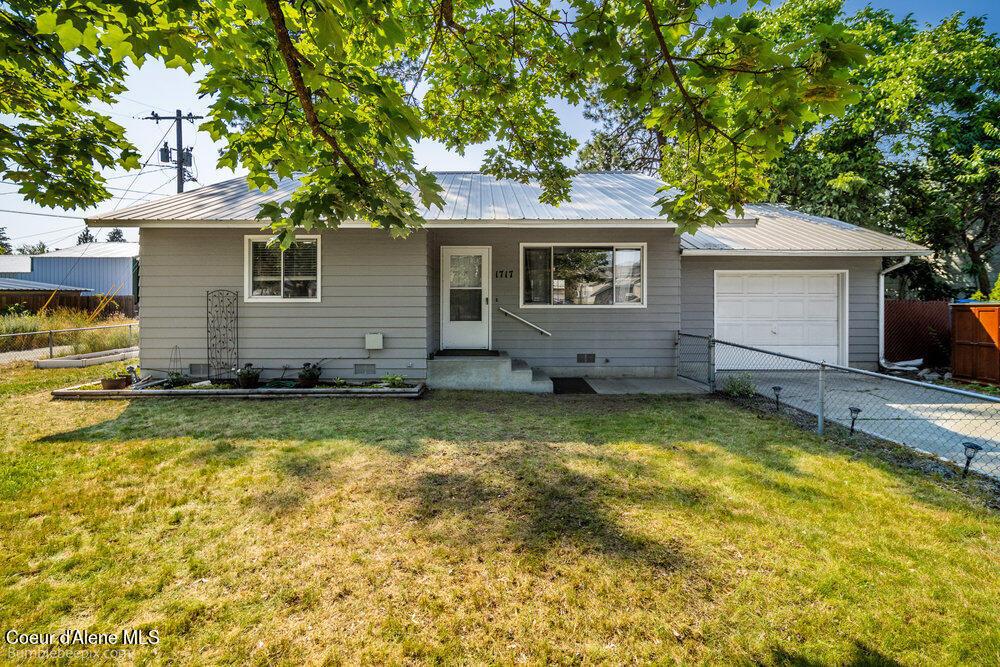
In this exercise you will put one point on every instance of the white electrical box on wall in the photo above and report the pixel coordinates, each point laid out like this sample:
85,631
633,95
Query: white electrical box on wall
373,341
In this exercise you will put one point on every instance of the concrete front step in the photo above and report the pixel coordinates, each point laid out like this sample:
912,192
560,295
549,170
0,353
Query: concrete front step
491,373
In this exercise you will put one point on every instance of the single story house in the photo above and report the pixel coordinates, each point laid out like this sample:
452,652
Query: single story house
102,268
498,290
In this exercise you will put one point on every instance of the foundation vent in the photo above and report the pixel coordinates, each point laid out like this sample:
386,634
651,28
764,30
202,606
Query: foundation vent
364,369
586,358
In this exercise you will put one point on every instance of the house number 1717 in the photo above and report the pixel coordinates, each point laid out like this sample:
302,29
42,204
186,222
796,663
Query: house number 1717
504,273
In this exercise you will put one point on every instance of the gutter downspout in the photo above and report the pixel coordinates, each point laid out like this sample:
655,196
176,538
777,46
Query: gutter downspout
881,312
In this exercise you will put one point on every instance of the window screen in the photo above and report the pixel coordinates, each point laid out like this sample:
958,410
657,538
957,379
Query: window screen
292,274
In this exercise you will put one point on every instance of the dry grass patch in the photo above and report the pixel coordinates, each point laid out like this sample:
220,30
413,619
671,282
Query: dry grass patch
479,527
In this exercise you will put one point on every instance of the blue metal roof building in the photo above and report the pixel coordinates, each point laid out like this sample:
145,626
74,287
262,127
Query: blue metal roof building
99,267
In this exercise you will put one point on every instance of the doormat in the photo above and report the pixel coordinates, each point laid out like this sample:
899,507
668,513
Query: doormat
571,386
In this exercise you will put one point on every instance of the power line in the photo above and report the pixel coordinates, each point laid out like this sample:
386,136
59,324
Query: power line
142,171
106,187
145,162
51,231
145,104
42,215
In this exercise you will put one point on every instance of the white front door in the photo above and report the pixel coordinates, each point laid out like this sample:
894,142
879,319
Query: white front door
465,297
800,313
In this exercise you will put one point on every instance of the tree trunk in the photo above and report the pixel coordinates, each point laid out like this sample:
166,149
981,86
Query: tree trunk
978,266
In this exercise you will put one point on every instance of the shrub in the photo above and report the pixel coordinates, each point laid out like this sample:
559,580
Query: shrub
394,381
739,386
994,294
15,310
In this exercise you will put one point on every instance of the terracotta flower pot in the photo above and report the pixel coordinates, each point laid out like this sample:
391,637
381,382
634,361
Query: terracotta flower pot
115,383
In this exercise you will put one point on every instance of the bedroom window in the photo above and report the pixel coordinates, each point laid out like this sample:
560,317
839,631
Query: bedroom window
276,275
582,275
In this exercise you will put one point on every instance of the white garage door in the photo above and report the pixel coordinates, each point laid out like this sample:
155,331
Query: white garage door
794,312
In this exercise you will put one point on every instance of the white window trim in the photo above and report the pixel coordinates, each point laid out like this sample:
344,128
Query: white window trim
568,306
248,279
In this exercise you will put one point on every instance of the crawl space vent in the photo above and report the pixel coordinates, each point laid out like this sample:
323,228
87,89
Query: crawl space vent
364,369
586,358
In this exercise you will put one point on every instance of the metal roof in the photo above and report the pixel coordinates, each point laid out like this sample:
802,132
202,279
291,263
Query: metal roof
777,230
16,285
598,198
15,263
467,195
96,250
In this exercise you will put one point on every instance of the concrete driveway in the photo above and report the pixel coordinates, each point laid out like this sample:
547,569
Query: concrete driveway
923,418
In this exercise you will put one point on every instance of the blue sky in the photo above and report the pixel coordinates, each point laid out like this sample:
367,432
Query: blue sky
155,88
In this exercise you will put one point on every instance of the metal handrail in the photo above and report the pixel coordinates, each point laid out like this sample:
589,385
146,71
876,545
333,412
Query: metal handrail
524,321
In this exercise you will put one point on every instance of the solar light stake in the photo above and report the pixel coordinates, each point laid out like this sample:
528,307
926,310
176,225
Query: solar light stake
854,417
971,449
777,397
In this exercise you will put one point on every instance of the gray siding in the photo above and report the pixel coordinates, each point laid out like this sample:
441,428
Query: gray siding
370,282
698,295
635,342
101,274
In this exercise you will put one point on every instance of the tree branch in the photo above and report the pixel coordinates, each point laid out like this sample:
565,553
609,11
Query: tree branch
675,75
292,58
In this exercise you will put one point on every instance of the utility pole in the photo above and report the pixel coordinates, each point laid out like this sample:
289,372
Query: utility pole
183,158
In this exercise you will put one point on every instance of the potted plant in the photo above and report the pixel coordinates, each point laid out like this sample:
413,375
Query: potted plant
247,376
309,375
118,380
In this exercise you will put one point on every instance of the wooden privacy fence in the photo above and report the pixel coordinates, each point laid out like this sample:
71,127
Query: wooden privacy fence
34,300
917,330
975,351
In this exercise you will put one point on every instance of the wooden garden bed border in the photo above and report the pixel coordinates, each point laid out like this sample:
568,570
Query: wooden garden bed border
76,393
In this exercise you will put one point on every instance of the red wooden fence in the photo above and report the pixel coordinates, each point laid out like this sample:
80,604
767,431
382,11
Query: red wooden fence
917,330
34,300
975,351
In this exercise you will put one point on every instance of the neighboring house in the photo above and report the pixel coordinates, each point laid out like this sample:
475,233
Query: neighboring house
599,286
100,267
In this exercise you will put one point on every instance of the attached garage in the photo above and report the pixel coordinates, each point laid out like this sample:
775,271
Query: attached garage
799,313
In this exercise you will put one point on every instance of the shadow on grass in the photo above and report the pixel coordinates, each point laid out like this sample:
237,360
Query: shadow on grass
862,656
305,438
531,501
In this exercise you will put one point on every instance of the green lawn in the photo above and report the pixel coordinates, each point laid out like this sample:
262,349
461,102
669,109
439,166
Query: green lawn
479,528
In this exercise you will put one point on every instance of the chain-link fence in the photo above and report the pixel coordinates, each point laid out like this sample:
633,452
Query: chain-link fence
960,426
34,345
